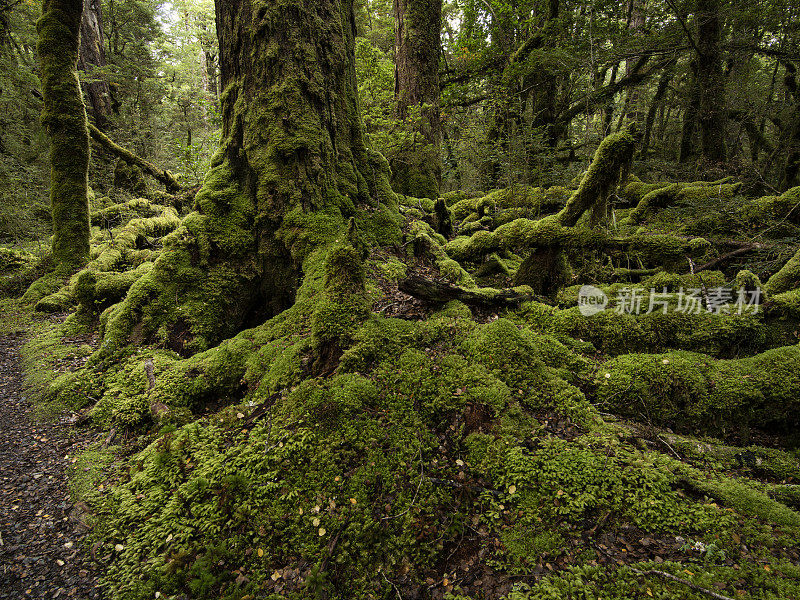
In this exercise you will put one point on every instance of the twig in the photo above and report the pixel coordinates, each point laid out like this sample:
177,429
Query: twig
391,583
663,441
416,493
110,437
685,582
685,27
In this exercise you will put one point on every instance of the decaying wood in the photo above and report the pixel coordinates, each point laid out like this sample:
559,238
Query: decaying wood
438,292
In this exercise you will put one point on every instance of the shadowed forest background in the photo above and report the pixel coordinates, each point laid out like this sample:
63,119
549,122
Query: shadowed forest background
305,284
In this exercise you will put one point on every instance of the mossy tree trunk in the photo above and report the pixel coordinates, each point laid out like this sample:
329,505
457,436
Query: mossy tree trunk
690,115
711,81
64,118
292,168
418,23
92,56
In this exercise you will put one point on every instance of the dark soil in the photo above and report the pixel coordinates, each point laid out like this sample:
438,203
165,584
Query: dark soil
43,550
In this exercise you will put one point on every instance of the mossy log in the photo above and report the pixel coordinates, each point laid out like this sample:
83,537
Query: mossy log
548,232
635,190
162,175
787,279
684,388
117,214
609,168
678,193
438,292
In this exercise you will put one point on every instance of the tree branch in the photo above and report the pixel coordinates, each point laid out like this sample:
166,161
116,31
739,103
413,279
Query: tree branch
162,175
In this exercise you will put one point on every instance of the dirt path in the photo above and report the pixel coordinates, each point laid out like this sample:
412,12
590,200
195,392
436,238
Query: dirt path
41,549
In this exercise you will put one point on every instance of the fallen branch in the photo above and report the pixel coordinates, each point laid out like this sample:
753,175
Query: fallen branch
162,175
685,582
728,256
437,292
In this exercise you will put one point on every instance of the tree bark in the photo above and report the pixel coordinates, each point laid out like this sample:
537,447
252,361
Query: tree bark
92,55
690,115
661,90
418,25
291,171
64,118
711,81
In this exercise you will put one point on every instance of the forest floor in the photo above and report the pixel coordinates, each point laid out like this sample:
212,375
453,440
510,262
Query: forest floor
42,532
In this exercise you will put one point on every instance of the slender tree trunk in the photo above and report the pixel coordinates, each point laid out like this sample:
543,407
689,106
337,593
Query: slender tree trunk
661,90
633,105
64,118
92,55
690,116
711,81
791,170
544,85
291,171
418,25
608,111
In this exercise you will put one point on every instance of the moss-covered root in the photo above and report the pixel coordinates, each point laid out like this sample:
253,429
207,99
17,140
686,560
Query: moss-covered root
609,167
545,270
343,307
427,243
64,118
684,388
788,278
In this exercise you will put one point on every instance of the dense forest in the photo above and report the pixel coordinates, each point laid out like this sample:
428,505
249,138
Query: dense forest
400,299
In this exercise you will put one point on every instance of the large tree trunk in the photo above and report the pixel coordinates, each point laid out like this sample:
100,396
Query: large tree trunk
711,81
92,55
64,118
292,168
418,24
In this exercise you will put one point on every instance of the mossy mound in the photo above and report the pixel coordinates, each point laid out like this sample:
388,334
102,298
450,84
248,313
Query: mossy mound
455,451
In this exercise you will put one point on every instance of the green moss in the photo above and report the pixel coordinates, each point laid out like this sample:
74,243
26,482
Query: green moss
614,332
42,287
740,496
785,207
64,118
344,304
788,278
12,259
682,388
